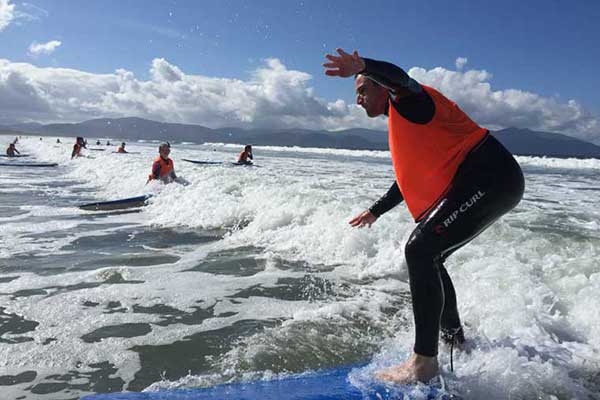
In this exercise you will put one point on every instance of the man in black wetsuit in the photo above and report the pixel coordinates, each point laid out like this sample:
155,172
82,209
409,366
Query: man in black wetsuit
456,180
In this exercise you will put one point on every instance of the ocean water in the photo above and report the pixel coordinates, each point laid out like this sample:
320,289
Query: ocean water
252,272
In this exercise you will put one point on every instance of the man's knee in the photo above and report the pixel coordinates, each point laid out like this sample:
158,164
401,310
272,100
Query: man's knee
418,253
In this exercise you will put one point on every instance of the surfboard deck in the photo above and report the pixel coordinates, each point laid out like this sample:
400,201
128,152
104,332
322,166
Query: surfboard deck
27,164
330,384
120,204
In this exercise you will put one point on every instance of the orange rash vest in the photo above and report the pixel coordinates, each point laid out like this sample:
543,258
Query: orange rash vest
166,167
426,156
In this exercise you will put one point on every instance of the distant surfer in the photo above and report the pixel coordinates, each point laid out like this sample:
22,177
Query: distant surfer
245,156
79,144
98,142
57,140
162,167
11,150
456,179
108,142
121,148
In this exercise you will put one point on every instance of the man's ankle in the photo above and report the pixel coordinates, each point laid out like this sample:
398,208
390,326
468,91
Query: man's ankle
452,335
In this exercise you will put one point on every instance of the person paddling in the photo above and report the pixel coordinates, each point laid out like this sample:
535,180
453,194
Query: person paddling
121,148
163,167
456,180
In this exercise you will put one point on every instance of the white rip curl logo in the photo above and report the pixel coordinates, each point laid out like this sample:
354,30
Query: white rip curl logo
464,207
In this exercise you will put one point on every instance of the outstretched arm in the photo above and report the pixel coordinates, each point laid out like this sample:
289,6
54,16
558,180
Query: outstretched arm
384,73
407,95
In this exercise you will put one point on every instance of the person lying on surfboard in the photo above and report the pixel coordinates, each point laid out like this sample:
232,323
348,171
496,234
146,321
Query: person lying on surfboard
163,167
245,156
11,150
456,179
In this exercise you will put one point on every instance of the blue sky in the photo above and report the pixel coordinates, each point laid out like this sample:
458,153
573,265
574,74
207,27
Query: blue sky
543,48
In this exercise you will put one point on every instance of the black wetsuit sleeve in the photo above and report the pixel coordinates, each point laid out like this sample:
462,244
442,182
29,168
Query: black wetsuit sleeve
391,199
408,96
390,76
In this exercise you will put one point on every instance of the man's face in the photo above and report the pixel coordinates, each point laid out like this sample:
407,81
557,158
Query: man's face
371,96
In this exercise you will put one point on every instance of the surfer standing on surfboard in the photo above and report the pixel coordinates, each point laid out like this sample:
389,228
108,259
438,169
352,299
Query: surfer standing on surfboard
456,180
163,167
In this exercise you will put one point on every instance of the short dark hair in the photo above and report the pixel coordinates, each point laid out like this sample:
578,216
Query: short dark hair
167,145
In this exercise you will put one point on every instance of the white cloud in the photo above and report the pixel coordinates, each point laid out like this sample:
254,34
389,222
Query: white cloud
30,12
461,62
6,13
35,48
472,91
274,97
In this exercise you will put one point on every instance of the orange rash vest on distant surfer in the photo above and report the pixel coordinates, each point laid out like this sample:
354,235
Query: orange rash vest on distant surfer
427,156
165,167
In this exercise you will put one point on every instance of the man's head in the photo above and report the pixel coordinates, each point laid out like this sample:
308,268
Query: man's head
123,144
248,147
371,96
164,149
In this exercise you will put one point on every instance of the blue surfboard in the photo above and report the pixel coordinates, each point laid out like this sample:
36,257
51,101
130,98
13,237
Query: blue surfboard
121,204
15,156
330,384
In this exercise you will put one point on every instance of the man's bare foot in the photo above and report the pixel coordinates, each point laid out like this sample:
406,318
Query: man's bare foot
416,368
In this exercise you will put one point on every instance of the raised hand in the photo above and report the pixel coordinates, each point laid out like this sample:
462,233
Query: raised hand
344,65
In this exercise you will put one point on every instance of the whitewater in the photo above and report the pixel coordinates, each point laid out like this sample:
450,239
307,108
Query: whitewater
254,272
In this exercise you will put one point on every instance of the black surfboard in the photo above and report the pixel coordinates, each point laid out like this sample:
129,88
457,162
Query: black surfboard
203,162
120,204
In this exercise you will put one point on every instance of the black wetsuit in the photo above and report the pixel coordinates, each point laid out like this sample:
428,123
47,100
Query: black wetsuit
488,184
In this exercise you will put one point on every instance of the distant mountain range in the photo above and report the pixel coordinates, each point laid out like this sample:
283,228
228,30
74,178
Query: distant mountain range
518,141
